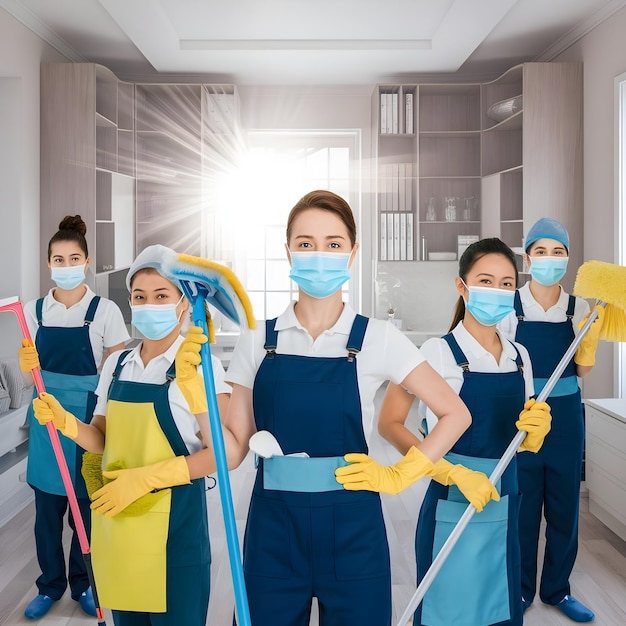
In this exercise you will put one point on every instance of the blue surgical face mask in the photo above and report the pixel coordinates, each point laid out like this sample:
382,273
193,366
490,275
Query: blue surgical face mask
319,274
68,277
155,321
548,270
488,305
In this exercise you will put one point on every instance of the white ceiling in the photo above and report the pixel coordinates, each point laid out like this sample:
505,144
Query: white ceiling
321,42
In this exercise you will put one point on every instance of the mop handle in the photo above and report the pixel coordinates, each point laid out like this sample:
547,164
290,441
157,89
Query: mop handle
65,474
58,453
239,586
495,476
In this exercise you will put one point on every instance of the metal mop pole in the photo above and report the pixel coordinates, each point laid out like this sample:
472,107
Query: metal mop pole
17,308
503,463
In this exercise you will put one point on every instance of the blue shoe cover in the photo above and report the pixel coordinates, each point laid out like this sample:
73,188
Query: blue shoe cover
38,607
86,602
575,610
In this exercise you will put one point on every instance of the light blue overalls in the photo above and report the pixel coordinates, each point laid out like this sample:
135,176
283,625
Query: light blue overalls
69,372
306,536
186,542
479,583
550,479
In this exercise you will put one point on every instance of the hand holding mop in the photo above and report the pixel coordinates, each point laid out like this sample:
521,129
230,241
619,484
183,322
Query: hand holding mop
13,304
604,282
206,281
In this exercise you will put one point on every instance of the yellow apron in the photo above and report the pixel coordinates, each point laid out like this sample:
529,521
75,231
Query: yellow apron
129,553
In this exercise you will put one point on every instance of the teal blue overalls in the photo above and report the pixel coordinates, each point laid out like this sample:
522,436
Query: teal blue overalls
69,372
479,583
306,536
153,569
550,479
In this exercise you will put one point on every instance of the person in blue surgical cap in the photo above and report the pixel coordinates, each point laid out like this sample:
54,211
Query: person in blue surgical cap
546,321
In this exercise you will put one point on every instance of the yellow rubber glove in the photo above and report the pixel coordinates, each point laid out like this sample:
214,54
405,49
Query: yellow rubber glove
586,351
48,409
365,474
535,419
187,377
475,486
128,485
29,358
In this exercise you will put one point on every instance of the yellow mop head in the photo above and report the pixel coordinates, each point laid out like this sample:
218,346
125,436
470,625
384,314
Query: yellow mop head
606,283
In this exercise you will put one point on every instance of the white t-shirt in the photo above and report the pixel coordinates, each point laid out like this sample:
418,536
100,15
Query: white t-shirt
533,312
386,354
438,354
154,372
106,330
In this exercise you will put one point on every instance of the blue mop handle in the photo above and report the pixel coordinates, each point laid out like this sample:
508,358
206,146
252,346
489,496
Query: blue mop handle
495,476
239,585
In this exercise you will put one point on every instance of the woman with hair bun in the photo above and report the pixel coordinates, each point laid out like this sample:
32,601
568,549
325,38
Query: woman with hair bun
73,331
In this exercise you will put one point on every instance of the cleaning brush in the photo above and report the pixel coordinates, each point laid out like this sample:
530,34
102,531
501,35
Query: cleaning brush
605,283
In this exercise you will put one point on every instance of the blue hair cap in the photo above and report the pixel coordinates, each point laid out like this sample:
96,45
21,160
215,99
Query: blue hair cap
547,228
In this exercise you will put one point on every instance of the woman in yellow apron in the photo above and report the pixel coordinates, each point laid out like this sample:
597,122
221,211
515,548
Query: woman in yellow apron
150,542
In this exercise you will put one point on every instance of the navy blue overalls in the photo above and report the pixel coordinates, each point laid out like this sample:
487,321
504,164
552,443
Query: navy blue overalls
550,479
69,372
479,583
152,568
306,536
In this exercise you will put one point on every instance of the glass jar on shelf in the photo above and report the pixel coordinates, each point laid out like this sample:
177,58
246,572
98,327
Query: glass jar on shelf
431,211
450,208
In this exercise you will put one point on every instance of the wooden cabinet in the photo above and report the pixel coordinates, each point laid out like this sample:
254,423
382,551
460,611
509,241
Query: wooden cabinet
395,111
532,160
606,461
141,163
448,168
474,175
428,169
87,160
184,139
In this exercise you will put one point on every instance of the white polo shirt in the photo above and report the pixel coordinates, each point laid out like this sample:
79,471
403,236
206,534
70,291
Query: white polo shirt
387,354
439,355
155,373
533,312
106,330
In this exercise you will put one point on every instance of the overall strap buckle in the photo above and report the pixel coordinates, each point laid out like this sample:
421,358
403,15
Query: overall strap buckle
352,352
270,351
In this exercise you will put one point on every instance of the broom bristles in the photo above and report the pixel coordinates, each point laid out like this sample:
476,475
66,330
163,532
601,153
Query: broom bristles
606,283
614,324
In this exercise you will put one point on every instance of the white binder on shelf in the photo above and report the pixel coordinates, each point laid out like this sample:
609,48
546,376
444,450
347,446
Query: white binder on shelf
383,237
390,250
396,236
409,237
394,113
402,236
408,113
383,113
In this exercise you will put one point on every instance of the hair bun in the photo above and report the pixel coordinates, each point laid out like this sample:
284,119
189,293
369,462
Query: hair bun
73,222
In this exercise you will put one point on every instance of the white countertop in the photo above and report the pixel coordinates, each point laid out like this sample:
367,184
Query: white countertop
615,407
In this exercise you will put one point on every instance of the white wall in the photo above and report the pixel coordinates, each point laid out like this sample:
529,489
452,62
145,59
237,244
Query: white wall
21,53
603,52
